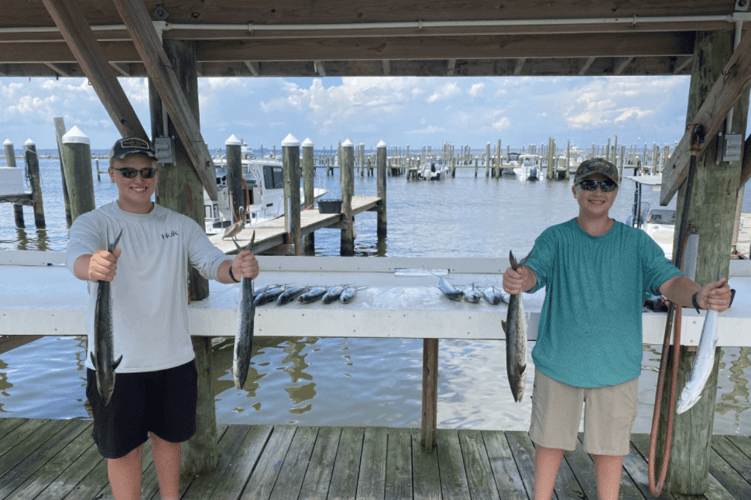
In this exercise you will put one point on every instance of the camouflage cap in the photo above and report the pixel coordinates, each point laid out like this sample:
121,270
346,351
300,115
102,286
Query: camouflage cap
596,166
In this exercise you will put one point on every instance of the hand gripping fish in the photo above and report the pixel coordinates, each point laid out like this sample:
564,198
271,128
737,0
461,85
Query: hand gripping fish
703,364
103,357
246,311
515,327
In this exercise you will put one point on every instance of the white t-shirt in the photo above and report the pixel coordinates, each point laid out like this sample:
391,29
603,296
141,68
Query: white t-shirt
150,289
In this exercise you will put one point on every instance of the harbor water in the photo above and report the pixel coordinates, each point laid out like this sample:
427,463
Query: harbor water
340,381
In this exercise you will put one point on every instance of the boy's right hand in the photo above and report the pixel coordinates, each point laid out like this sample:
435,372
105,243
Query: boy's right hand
513,281
103,265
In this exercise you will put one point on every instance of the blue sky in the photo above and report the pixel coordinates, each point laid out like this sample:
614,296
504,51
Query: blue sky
398,110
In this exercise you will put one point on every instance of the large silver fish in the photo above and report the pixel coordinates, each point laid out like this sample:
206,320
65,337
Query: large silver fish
246,312
450,290
703,364
103,357
312,295
332,294
515,327
270,294
291,294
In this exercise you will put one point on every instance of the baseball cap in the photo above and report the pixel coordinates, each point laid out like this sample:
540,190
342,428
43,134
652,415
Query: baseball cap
132,145
595,166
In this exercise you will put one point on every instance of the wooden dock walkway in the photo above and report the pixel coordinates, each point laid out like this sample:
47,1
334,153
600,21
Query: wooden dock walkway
273,234
57,459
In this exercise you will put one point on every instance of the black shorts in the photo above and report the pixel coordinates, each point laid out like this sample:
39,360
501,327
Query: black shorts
162,402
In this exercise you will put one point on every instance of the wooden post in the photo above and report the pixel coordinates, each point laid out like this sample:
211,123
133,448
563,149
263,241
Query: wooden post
346,173
235,185
381,190
76,160
308,178
429,393
32,167
10,158
487,160
710,214
59,133
498,155
291,159
180,189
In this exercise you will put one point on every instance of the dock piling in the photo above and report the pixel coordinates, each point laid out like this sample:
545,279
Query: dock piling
291,159
76,162
347,173
308,177
32,167
381,190
59,133
10,157
235,182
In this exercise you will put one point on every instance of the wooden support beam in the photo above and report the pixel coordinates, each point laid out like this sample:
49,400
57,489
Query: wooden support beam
255,70
56,68
161,74
451,67
386,67
725,94
622,65
119,69
682,64
746,169
519,65
319,68
585,67
82,43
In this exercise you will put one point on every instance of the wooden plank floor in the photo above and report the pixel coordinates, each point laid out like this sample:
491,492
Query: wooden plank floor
57,459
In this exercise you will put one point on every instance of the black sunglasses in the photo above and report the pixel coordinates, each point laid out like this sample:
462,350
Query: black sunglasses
606,186
130,173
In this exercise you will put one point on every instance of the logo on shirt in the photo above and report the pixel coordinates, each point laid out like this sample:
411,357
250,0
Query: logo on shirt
169,235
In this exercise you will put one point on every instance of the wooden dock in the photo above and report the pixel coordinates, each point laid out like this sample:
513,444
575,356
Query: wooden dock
57,459
273,234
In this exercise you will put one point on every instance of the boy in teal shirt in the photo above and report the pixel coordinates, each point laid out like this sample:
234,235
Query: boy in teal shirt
596,272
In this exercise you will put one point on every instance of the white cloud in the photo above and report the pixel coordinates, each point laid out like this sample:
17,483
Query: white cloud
444,92
477,89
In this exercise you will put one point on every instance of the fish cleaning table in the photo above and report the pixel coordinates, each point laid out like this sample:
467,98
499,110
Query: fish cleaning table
398,298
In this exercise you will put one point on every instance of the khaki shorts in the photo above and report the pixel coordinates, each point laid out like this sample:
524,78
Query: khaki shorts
608,419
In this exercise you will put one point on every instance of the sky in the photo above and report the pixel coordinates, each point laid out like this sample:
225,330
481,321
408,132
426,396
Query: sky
414,111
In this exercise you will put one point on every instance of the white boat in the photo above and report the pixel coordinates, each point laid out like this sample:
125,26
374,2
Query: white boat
433,170
529,167
660,225
264,193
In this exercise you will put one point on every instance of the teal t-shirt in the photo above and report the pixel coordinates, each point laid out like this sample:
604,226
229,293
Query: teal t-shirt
591,321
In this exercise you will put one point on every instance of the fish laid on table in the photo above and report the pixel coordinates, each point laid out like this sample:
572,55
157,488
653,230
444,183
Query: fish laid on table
515,327
246,311
312,295
332,294
348,295
492,295
103,357
472,294
269,295
703,364
450,290
291,294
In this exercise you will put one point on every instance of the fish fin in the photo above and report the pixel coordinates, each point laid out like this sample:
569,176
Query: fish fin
117,363
93,360
111,247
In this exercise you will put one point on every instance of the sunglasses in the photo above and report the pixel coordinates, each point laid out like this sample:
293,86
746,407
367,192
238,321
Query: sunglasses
130,173
606,186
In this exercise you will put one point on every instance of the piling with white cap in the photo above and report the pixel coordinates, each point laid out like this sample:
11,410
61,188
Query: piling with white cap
10,158
308,178
32,168
235,185
347,178
291,159
78,175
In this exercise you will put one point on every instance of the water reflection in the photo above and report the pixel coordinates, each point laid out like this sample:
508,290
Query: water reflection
27,242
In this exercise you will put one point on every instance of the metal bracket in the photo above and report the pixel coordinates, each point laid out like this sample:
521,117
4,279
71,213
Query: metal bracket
741,5
160,13
730,148
697,135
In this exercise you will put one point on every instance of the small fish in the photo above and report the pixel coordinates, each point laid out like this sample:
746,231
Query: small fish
269,295
515,328
312,295
348,295
291,294
492,295
332,294
103,356
472,294
450,290
703,364
246,311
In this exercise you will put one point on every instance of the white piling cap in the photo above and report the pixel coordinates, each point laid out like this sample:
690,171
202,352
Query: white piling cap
7,142
233,141
347,144
290,141
307,143
29,142
381,144
75,136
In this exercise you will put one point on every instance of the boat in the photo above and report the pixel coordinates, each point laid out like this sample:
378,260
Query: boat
433,170
264,193
529,167
658,223
509,169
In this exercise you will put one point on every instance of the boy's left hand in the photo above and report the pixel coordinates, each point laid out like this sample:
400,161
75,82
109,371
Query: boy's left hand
715,296
245,265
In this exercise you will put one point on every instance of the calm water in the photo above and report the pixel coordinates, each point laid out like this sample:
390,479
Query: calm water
319,381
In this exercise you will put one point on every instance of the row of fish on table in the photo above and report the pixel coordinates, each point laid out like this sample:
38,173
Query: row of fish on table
515,328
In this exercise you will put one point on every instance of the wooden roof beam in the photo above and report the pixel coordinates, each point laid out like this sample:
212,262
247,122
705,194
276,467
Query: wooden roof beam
451,67
81,41
519,65
725,94
681,64
585,67
162,76
119,69
254,68
622,65
386,67
319,68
